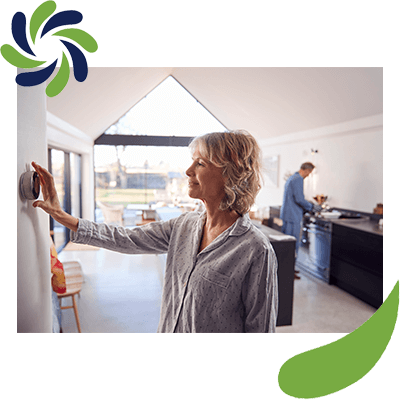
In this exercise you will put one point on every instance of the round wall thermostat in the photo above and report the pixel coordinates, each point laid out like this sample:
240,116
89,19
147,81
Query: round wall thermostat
29,185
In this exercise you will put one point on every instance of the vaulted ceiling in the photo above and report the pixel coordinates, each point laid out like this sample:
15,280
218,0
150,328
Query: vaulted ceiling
267,102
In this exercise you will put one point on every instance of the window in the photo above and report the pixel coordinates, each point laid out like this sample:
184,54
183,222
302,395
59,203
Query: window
140,175
140,161
66,170
168,110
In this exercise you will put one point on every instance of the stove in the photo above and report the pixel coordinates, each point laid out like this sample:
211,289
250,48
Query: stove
315,247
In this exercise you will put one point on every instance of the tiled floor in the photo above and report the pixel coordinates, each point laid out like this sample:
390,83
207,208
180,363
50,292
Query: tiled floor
122,293
319,307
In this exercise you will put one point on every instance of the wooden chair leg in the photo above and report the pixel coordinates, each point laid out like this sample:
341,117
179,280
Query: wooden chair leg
76,313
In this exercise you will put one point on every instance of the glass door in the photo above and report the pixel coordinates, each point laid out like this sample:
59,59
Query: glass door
57,169
66,170
76,185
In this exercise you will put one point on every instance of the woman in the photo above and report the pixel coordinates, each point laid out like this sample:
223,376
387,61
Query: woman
220,274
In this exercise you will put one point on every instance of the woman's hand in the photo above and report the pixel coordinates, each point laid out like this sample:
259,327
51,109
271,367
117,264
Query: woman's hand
50,202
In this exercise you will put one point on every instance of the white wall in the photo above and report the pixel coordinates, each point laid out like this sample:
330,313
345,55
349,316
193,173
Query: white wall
349,163
36,131
33,271
63,136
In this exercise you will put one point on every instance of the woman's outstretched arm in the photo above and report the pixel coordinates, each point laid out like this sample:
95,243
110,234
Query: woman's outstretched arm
50,202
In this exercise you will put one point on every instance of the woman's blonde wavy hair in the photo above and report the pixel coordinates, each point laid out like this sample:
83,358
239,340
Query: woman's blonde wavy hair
238,154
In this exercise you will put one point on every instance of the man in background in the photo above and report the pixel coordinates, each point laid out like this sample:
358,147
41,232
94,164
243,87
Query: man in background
294,204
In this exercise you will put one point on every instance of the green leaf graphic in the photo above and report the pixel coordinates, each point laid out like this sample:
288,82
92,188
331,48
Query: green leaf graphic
60,80
17,59
80,37
333,367
39,16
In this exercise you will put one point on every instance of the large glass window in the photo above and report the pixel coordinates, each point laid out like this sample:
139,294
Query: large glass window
140,160
134,177
66,170
168,110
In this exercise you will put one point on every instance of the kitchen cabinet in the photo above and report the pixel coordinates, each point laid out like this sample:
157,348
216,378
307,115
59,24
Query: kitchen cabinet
285,254
351,259
356,263
274,221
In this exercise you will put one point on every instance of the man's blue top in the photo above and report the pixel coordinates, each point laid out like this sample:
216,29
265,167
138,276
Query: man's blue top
294,202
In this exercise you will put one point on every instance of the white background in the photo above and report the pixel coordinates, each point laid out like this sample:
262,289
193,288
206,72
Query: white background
193,33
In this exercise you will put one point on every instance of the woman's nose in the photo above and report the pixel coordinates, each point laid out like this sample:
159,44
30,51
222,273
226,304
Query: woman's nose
189,171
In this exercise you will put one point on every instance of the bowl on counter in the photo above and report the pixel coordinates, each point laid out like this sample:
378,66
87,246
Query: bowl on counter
330,214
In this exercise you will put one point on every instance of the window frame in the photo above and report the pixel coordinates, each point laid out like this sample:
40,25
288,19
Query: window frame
67,206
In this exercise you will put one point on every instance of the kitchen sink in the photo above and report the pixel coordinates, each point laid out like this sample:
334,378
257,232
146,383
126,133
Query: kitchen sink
350,215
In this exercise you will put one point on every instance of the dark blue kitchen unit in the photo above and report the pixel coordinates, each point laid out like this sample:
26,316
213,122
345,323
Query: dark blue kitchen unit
356,262
285,254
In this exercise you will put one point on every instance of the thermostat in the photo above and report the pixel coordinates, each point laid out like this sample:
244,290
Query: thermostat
29,185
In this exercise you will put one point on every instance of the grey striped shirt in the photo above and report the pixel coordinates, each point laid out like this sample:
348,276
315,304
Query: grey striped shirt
230,286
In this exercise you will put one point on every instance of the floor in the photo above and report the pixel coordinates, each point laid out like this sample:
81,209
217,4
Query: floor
122,293
322,308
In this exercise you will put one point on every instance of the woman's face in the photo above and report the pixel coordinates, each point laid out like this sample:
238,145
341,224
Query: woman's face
205,180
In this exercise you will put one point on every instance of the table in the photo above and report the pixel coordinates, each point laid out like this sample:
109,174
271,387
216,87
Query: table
167,213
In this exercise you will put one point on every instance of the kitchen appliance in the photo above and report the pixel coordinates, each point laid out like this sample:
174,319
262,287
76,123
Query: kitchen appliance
315,244
315,247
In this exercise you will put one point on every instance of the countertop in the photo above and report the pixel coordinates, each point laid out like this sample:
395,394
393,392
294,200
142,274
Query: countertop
362,224
272,234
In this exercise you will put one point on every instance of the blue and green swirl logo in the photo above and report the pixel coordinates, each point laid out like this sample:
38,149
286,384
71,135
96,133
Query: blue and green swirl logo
43,22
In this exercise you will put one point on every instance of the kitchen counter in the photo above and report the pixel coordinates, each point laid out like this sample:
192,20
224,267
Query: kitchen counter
346,252
362,224
285,254
272,234
369,223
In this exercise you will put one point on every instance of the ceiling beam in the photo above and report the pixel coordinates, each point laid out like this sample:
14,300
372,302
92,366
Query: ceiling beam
143,140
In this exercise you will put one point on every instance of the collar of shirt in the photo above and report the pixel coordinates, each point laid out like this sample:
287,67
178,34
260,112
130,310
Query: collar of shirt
241,225
298,174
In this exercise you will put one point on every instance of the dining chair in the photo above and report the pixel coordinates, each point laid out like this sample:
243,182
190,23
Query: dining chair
73,280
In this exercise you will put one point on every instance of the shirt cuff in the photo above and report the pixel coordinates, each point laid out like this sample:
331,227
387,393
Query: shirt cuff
83,234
